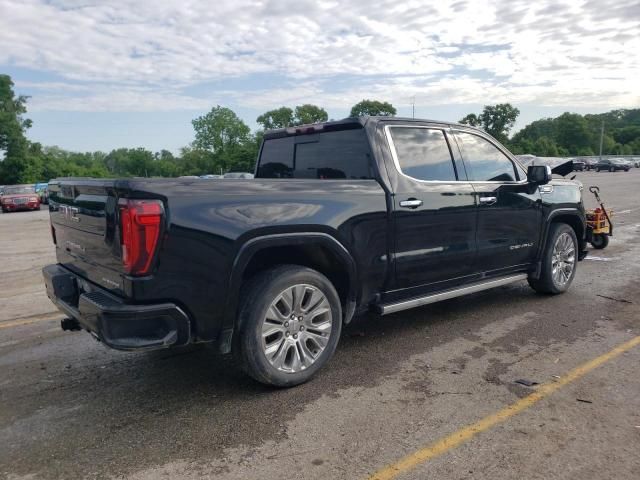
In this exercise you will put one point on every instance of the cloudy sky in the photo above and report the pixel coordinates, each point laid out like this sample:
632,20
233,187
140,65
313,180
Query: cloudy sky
103,74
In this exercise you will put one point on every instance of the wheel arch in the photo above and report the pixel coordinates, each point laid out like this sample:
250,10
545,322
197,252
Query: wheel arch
570,216
316,250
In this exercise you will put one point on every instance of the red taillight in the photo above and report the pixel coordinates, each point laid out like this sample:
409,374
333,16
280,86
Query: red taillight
140,221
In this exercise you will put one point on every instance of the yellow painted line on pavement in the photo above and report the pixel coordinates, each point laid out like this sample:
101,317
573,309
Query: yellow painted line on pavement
467,433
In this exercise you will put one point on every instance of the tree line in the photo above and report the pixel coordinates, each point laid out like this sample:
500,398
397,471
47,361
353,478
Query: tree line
223,142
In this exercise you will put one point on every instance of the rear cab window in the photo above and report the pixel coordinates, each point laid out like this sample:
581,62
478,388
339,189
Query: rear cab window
340,154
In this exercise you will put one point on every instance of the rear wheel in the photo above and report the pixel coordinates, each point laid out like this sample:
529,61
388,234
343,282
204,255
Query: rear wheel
600,241
598,169
558,261
290,325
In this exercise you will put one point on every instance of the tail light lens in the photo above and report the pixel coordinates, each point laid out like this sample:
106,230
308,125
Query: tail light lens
141,222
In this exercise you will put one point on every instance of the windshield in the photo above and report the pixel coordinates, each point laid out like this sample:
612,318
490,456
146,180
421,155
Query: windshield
19,190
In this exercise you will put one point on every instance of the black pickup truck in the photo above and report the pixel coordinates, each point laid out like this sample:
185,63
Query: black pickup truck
368,214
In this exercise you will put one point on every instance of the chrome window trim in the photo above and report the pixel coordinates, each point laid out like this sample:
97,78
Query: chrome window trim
444,129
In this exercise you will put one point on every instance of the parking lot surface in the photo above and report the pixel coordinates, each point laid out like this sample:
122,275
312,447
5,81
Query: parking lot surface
410,382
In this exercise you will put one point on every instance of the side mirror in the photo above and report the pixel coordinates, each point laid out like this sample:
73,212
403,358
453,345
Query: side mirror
539,174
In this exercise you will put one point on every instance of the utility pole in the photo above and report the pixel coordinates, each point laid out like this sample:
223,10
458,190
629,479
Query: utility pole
601,138
413,107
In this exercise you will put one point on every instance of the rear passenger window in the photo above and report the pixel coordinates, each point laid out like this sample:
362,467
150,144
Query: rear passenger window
423,153
342,154
485,163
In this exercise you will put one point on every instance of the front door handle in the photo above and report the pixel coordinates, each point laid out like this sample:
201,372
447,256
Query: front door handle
488,200
411,203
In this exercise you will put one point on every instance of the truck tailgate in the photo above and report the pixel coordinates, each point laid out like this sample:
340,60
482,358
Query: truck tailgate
84,223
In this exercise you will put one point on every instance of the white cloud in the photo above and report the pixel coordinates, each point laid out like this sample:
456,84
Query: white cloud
131,55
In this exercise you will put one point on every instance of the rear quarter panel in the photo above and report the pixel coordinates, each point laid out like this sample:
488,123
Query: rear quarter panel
210,220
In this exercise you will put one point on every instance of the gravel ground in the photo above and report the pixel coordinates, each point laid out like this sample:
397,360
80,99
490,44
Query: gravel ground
70,408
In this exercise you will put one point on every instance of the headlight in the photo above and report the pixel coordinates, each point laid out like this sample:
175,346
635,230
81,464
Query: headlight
33,199
7,201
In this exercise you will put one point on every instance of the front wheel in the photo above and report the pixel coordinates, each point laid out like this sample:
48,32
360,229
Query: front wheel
598,169
290,325
558,261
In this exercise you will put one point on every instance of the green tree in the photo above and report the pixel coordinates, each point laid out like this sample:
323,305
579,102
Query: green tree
571,132
496,120
279,118
545,147
471,119
372,108
627,134
18,166
219,130
308,114
226,138
130,162
194,161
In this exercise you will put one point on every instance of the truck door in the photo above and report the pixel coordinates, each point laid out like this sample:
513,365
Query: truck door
509,219
433,210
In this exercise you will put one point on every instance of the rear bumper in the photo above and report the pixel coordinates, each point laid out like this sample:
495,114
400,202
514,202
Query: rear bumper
119,325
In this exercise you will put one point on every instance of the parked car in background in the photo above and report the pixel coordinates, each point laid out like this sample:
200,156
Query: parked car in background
211,176
636,162
240,175
590,163
578,165
19,197
612,165
42,189
624,161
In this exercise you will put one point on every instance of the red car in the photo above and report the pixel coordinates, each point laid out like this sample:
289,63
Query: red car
19,197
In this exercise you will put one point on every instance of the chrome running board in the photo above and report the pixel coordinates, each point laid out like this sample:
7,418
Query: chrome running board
385,309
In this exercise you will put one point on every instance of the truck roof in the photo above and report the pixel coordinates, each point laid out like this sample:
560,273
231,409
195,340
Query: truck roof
345,124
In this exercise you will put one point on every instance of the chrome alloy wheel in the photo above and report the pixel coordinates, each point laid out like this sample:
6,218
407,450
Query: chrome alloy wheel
563,260
296,328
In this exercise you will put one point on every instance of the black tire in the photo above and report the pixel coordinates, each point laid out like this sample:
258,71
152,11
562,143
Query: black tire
598,169
612,169
257,296
546,282
599,241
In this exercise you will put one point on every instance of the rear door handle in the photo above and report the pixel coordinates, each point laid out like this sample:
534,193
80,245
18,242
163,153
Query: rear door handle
488,200
411,203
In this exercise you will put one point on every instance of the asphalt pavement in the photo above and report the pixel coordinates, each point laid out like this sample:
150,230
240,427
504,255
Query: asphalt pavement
422,392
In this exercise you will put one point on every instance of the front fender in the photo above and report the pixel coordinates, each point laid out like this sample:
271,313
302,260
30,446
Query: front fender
574,217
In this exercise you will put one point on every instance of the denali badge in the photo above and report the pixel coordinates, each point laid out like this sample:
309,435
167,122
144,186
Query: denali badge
522,245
